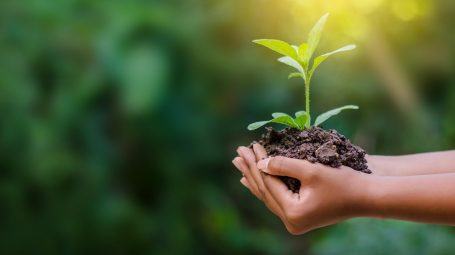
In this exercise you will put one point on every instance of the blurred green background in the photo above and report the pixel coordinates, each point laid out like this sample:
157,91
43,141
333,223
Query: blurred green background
119,119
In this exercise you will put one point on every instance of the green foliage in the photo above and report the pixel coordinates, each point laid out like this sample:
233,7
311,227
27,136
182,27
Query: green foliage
302,118
323,57
293,63
94,161
313,39
279,46
295,75
300,121
327,115
299,58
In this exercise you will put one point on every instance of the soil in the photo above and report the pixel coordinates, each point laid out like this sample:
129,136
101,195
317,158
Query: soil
314,144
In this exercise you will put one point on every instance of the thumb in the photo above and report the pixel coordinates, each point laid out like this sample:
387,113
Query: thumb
282,166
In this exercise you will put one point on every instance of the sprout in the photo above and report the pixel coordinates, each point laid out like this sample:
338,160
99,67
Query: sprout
300,57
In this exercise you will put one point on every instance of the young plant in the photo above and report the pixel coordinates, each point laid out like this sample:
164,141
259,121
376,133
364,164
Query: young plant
300,57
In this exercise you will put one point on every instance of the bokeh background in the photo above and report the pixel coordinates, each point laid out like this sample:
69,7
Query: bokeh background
119,119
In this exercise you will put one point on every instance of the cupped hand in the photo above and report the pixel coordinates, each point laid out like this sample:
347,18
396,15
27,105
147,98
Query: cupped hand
253,178
327,195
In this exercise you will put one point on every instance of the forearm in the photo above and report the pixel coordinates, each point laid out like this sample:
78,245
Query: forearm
416,164
424,198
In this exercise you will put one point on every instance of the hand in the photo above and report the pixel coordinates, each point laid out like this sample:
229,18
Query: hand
378,165
326,196
252,178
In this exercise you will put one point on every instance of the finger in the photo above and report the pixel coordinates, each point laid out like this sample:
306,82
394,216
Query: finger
269,200
243,167
274,207
282,166
245,183
261,154
279,191
259,151
258,177
237,165
271,204
250,158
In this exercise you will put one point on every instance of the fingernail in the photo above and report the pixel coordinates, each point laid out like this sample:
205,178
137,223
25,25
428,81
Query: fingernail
263,164
236,164
243,181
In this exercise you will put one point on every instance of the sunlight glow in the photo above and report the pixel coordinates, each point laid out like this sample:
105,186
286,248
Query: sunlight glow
405,9
353,18
410,9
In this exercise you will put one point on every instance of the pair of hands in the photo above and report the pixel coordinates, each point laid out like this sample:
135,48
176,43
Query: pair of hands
327,195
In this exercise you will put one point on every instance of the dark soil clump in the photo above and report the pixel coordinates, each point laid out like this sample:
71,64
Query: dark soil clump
315,145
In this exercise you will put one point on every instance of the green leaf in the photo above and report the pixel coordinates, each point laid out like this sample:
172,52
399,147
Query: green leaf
278,46
296,48
300,113
303,121
295,75
325,116
302,53
314,36
322,58
256,125
293,63
278,117
279,114
285,120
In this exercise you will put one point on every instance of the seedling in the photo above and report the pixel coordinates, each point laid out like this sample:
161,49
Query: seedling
300,57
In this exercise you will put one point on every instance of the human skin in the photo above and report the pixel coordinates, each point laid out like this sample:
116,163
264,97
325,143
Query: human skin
328,196
415,164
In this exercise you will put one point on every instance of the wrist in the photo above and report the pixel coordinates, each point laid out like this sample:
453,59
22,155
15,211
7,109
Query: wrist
365,196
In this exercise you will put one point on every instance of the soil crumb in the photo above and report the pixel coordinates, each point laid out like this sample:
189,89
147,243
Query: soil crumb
314,144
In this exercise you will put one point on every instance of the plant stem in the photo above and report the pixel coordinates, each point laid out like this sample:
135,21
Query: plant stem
307,98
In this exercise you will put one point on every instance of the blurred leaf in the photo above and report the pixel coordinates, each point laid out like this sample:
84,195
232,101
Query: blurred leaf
314,37
256,125
278,46
303,52
293,63
295,75
145,73
325,116
317,61
300,113
279,114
